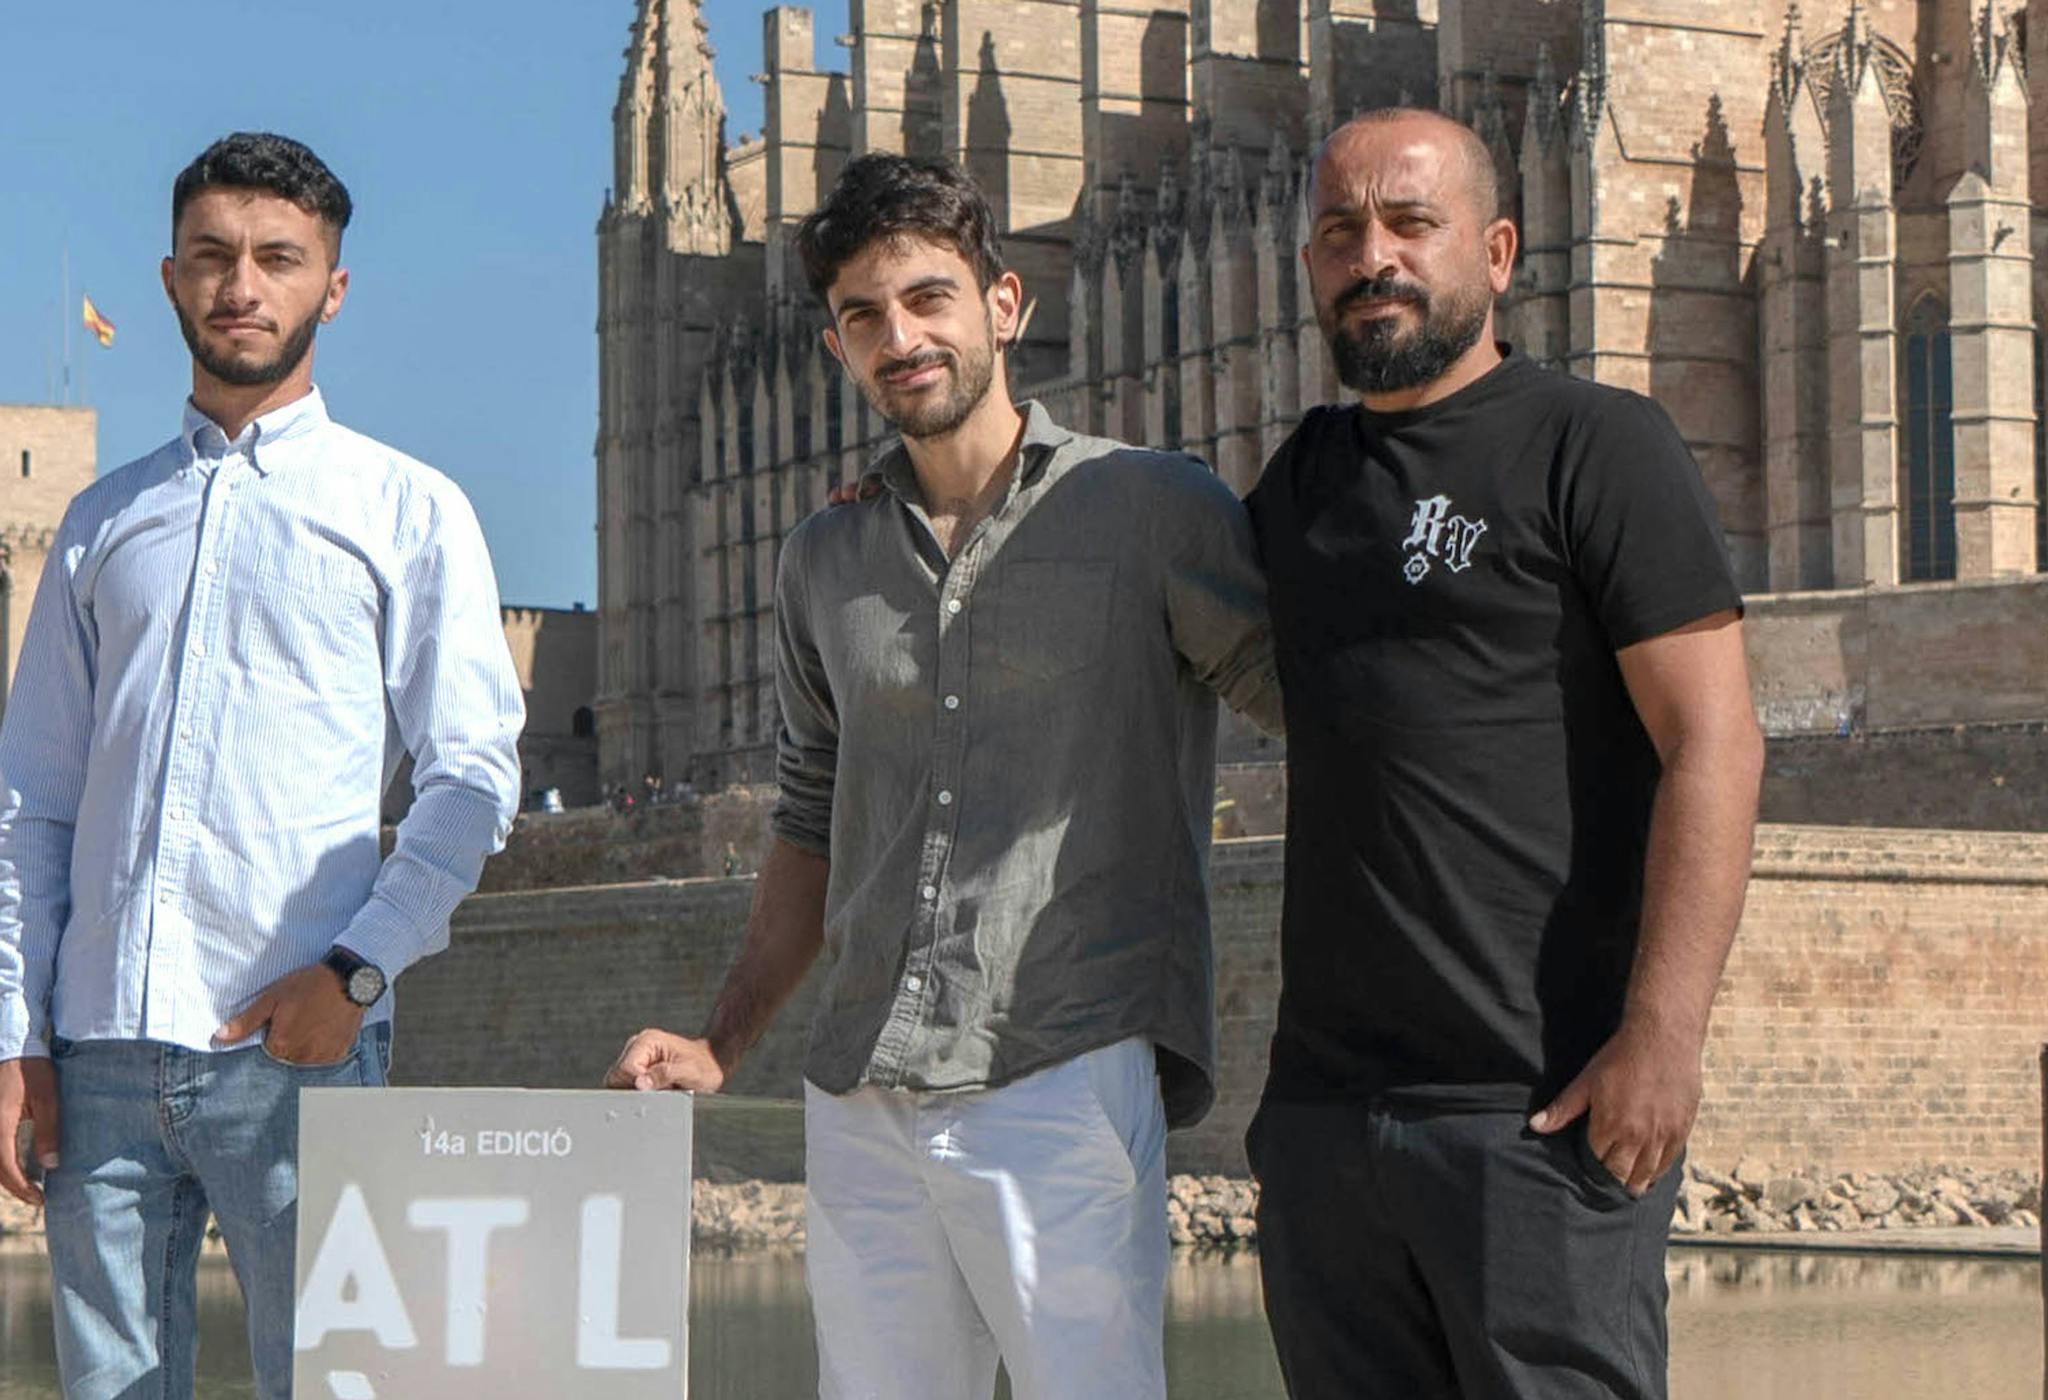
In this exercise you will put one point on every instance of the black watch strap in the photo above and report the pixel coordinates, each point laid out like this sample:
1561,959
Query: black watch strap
362,981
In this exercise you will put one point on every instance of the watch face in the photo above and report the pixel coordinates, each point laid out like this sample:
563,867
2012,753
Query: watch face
365,985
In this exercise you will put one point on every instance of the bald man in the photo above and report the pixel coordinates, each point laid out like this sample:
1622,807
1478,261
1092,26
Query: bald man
1523,769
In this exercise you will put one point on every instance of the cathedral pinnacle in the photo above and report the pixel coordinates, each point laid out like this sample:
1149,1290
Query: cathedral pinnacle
1167,222
1994,43
1985,42
1489,117
1788,64
1127,231
1853,52
1589,91
1543,100
1276,184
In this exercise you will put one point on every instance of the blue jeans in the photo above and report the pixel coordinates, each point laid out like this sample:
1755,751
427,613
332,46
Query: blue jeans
152,1138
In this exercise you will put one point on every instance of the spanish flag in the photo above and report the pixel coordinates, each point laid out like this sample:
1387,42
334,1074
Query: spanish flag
100,326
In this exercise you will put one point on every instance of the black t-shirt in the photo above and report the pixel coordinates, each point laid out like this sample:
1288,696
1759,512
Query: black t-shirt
1469,786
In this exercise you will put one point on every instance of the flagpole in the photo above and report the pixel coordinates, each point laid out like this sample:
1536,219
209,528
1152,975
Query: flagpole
65,313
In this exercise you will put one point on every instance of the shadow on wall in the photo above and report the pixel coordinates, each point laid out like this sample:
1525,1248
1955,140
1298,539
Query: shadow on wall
924,132
1158,131
835,122
1701,341
988,133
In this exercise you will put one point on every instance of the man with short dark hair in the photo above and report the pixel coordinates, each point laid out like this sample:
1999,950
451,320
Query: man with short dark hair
236,640
1522,767
997,766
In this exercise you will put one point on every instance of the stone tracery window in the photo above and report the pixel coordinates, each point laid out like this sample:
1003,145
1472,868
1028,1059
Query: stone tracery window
1895,80
1928,452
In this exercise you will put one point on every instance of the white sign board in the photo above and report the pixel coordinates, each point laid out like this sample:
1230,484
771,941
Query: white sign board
481,1243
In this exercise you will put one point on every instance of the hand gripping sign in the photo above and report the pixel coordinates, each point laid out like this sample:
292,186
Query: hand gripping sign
491,1242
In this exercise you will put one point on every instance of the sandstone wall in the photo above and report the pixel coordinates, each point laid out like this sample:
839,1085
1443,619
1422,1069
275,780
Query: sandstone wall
46,457
60,445
1883,1009
1885,1004
554,651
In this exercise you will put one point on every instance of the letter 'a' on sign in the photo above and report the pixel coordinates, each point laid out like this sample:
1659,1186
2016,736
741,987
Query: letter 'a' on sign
492,1244
350,1285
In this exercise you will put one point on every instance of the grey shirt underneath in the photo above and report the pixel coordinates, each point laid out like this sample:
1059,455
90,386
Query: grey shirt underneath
1010,761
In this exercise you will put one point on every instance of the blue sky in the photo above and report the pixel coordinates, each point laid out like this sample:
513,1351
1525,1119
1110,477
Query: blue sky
476,139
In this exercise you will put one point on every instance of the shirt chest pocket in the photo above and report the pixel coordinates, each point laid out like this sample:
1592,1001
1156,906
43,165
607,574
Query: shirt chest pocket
310,616
1052,615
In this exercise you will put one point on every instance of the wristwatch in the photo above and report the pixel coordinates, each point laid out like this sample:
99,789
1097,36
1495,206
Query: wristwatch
362,981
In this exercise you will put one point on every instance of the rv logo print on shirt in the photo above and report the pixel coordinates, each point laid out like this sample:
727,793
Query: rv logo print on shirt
1435,533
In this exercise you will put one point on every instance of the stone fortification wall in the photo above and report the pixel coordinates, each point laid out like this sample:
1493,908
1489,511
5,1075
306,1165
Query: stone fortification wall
1883,1009
1885,660
678,840
1980,777
1919,706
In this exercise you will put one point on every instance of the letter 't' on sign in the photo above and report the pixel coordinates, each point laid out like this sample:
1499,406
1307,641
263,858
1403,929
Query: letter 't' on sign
350,1286
469,1222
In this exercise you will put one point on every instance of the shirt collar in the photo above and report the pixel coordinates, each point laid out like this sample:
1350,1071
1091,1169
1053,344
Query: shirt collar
268,442
1042,437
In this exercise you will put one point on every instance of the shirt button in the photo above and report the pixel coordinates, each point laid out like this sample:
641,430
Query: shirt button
913,983
952,702
945,798
163,897
186,732
199,648
211,568
177,814
952,605
929,892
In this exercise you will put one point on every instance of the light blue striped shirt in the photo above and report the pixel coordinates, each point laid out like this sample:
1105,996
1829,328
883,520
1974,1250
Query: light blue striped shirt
232,647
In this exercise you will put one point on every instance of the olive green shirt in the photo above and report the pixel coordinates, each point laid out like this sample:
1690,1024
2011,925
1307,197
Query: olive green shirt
1009,759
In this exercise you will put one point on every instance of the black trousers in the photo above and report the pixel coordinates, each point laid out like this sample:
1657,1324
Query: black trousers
1410,1255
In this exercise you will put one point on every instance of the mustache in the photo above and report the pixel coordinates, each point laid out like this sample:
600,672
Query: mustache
911,363
1380,289
219,316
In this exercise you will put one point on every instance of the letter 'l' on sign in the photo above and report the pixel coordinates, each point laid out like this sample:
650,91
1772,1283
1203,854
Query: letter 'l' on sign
599,1347
477,1243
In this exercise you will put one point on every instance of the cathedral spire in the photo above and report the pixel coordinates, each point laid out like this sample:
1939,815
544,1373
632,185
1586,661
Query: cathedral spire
630,192
669,129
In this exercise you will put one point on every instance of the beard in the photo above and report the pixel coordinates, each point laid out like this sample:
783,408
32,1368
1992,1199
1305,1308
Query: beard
246,373
1375,357
927,416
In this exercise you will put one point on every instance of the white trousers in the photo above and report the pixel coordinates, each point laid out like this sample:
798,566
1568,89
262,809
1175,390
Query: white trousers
1027,1221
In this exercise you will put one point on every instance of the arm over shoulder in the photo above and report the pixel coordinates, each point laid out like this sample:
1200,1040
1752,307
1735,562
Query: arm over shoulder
1215,590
